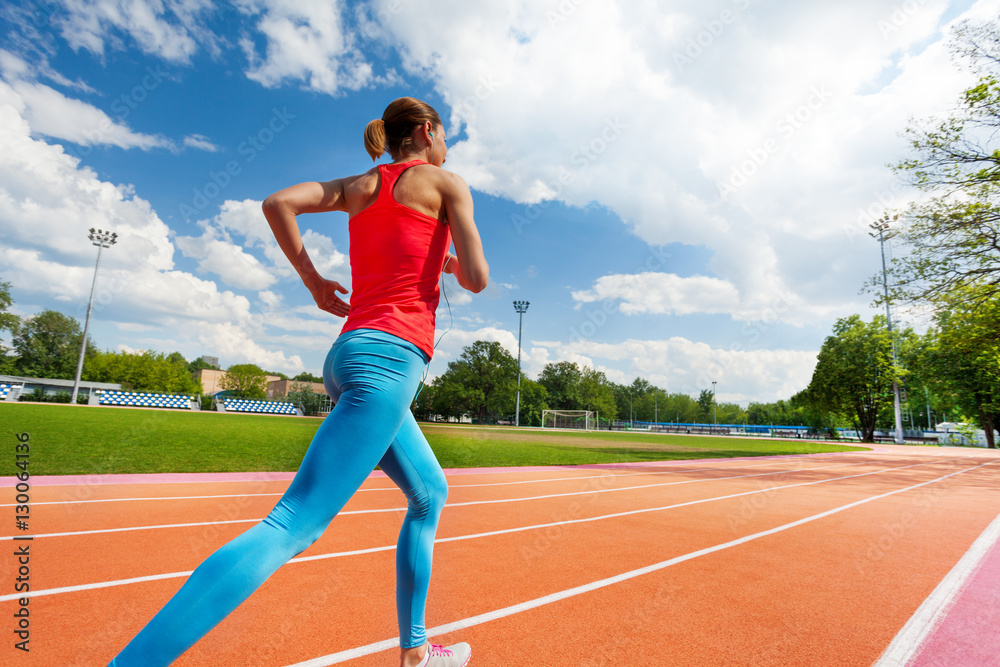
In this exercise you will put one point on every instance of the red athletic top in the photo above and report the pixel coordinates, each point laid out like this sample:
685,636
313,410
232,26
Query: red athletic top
397,254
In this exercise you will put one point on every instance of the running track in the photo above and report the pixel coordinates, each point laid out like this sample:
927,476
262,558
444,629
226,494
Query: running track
889,557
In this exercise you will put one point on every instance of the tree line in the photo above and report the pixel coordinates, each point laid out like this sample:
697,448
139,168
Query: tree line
47,345
482,384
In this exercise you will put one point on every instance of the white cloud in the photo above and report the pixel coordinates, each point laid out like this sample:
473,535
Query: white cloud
200,142
587,102
47,203
240,227
681,365
664,293
51,113
170,29
306,42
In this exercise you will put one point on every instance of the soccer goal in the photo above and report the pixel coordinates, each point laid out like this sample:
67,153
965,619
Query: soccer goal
582,419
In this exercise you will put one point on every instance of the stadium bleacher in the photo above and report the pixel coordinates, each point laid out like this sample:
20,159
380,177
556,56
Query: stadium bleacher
141,399
4,390
262,407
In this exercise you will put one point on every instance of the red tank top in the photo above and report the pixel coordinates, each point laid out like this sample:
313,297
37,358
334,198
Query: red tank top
396,258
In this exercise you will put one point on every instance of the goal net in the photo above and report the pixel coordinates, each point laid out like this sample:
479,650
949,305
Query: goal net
581,419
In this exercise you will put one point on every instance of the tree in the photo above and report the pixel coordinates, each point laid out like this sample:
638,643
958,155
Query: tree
596,393
963,353
483,382
302,394
854,374
200,364
8,322
954,236
562,382
706,400
48,346
533,402
245,381
147,371
307,377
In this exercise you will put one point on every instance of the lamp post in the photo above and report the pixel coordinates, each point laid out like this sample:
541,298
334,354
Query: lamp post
101,239
715,407
521,307
879,228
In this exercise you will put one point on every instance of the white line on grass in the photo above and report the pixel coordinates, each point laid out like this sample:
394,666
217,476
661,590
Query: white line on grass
596,585
304,559
907,644
403,509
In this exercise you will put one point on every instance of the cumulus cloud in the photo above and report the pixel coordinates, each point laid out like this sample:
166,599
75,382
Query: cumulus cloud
305,42
240,227
684,98
48,201
170,29
682,365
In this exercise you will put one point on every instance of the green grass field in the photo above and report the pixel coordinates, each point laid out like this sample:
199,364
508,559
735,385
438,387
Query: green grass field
76,440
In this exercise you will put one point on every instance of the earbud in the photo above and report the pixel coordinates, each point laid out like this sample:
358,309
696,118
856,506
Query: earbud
431,134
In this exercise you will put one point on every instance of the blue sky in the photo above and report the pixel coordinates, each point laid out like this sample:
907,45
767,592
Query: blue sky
680,189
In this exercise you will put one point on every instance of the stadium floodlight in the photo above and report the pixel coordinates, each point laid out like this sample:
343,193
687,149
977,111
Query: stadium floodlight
101,239
715,406
879,230
521,307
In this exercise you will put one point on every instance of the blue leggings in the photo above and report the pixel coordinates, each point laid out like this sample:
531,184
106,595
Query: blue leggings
372,376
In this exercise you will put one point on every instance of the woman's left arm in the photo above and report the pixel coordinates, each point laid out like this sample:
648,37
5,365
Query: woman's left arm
280,209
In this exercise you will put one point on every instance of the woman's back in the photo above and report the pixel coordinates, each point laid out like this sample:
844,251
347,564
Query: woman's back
397,253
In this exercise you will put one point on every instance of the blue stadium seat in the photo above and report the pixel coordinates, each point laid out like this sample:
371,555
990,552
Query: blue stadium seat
259,407
140,399
4,390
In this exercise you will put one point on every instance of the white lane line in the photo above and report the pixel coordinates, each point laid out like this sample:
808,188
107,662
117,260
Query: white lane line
387,488
305,559
376,647
99,531
907,644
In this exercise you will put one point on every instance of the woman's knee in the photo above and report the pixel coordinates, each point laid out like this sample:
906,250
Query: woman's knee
431,499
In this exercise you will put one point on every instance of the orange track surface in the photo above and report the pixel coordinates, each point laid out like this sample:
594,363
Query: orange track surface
831,591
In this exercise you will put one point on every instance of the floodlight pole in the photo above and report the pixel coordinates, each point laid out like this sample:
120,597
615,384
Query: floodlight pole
715,407
521,307
880,226
101,239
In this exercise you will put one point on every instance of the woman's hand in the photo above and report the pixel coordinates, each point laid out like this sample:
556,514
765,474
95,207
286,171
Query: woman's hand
325,294
450,264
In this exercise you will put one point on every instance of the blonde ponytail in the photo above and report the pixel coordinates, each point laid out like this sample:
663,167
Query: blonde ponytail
375,138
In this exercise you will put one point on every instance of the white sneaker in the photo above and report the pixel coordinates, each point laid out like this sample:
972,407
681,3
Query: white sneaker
456,655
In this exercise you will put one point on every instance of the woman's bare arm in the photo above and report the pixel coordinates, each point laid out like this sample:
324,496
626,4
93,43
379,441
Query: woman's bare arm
280,210
470,266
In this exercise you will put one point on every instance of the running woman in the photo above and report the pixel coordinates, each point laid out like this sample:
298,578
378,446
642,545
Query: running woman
403,218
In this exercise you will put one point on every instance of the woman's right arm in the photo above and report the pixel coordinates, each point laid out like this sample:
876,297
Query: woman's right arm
472,271
280,209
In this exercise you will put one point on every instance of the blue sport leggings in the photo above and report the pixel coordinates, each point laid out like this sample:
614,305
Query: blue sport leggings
373,377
